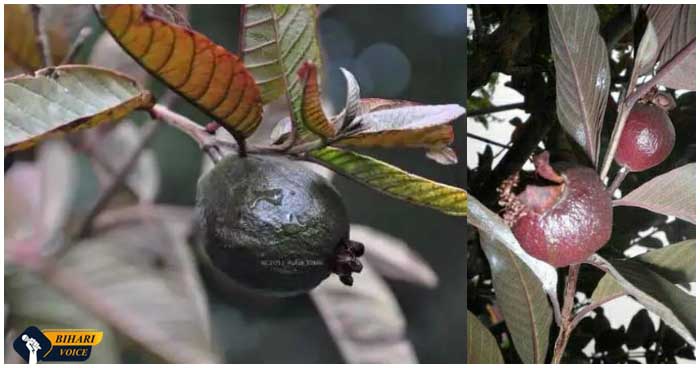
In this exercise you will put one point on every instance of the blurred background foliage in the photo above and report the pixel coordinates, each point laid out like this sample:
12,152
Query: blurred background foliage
400,52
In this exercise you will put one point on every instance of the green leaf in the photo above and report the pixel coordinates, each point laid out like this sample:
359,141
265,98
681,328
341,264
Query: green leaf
675,262
659,295
582,73
482,347
365,321
393,181
521,298
485,220
66,98
276,41
672,194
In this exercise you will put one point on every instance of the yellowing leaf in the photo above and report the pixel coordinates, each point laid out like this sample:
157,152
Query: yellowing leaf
393,181
405,124
276,41
311,111
66,98
21,48
203,72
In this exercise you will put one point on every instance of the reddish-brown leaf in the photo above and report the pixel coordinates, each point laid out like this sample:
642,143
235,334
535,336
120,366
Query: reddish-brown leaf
205,73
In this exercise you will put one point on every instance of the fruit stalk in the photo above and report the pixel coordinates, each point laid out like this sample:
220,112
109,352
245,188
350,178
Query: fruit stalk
619,177
566,314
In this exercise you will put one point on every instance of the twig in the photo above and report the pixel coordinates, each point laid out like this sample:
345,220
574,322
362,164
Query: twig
565,328
494,109
555,306
632,98
581,314
478,25
42,38
77,45
206,141
619,177
148,132
486,140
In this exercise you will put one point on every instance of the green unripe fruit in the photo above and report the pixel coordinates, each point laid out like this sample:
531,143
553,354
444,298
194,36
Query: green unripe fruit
272,225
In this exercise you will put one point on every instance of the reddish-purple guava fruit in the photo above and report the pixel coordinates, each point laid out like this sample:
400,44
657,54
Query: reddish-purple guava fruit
647,139
565,216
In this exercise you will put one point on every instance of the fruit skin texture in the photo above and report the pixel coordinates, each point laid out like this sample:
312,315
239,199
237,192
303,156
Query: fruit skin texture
270,224
564,223
647,139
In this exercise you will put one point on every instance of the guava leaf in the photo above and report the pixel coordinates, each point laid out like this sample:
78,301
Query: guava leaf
647,52
204,73
107,53
393,181
147,285
521,298
443,156
276,40
490,223
482,347
392,257
672,194
674,26
675,263
403,124
66,98
656,293
312,113
352,100
582,73
365,320
21,47
682,76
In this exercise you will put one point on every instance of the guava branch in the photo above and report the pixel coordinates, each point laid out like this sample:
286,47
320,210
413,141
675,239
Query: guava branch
591,307
566,318
486,140
494,109
42,38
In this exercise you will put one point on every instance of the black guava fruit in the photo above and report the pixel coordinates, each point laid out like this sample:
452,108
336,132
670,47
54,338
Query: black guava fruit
563,215
274,226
